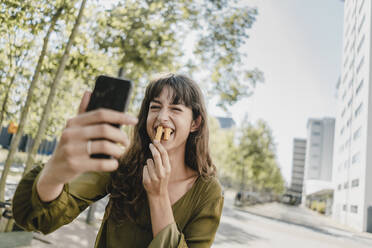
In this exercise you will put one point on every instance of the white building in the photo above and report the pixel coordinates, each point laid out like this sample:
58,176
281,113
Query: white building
319,152
319,156
298,165
352,168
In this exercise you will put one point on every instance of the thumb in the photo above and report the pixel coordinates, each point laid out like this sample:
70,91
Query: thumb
84,102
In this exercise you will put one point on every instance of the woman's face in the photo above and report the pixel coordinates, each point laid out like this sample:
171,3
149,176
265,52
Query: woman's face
177,117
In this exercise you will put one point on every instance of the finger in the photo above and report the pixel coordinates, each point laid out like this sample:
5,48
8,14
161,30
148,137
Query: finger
103,115
106,147
84,102
105,131
104,165
164,155
151,170
146,177
156,156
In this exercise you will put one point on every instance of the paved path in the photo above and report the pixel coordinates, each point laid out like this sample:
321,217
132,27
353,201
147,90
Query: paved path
271,226
262,226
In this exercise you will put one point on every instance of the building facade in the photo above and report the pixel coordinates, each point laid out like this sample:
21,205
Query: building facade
352,168
319,157
298,165
319,152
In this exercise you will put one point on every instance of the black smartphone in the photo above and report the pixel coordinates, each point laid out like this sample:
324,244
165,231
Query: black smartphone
112,93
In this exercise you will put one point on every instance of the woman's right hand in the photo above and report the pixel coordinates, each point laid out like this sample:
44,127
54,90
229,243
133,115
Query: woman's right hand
71,157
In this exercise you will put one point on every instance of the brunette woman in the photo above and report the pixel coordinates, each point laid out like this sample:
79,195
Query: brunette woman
162,194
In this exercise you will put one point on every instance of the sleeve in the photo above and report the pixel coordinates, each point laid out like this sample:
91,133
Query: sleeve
198,233
34,215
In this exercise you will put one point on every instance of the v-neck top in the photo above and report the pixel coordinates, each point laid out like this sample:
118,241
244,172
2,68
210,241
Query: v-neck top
197,213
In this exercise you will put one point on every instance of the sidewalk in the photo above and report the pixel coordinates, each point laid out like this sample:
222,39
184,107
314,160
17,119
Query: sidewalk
303,217
77,234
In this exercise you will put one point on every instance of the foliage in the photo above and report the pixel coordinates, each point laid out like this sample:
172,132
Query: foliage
245,157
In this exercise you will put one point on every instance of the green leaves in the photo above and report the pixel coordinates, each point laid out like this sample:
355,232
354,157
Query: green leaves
246,157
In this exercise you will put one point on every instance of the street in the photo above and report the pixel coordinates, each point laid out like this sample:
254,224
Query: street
263,226
239,228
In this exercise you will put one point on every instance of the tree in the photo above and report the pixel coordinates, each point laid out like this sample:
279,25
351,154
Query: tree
53,89
17,138
258,167
146,37
223,151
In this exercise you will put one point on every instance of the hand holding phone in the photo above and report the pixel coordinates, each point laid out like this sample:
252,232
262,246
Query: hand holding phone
70,159
111,93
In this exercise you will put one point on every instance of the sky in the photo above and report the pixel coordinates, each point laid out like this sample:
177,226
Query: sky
297,44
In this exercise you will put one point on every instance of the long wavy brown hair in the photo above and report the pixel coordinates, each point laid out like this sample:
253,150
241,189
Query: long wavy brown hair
127,191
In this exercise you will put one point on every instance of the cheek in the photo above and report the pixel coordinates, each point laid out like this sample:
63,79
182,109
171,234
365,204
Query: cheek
149,123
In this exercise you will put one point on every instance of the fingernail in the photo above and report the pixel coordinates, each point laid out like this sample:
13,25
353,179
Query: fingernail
156,141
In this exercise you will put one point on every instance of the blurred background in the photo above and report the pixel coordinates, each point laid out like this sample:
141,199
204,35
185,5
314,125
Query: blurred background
286,84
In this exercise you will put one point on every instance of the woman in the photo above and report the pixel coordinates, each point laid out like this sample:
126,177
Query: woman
162,194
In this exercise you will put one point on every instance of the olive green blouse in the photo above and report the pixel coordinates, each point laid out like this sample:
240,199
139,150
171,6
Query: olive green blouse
197,213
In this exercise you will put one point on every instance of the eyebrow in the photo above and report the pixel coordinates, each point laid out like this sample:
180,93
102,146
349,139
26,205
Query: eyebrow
158,102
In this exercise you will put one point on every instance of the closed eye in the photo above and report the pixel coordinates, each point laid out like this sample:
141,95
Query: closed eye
154,107
177,109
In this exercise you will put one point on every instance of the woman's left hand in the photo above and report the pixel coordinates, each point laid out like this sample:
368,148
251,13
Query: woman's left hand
157,171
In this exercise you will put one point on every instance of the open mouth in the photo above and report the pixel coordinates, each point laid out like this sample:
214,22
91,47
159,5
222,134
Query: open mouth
166,133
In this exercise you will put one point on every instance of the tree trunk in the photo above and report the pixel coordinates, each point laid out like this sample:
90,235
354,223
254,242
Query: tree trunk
52,93
26,108
3,108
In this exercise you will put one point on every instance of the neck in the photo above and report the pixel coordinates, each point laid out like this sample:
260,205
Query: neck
179,169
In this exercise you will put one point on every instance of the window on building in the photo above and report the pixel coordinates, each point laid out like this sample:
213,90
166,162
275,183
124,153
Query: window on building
350,101
356,157
339,187
355,183
314,144
360,64
357,133
342,130
358,110
344,207
351,83
358,89
361,23
361,7
354,209
316,123
345,77
361,42
346,185
343,113
347,143
348,123
316,133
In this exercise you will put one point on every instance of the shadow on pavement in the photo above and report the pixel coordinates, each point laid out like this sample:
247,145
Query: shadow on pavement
76,235
227,232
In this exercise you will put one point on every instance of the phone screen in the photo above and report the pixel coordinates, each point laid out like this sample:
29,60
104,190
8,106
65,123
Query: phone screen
112,93
109,92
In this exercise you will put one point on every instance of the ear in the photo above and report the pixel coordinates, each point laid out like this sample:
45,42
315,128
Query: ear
195,124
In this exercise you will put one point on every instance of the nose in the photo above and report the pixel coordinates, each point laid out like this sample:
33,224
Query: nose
163,115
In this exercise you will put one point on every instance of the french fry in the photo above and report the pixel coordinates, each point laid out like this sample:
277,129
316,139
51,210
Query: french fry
167,133
159,132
